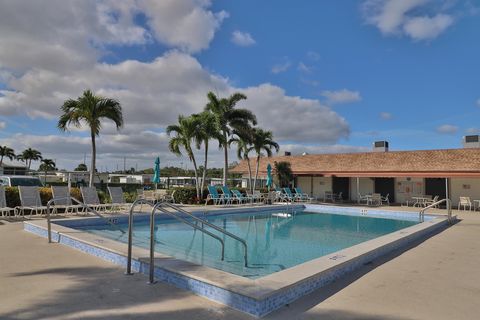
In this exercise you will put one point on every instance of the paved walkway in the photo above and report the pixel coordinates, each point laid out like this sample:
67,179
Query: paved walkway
437,279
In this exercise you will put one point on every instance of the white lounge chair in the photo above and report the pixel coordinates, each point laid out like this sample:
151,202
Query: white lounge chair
430,202
4,209
386,199
30,200
62,200
465,202
375,199
90,198
118,199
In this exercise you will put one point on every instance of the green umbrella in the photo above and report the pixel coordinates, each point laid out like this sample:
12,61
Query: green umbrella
269,177
156,170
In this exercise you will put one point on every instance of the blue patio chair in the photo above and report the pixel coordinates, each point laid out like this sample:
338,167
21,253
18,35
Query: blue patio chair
241,198
290,196
227,195
301,195
214,196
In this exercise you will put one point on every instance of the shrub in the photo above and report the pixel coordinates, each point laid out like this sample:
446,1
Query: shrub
13,198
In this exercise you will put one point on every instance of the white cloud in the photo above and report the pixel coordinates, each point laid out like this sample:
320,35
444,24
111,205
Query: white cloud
478,102
421,28
281,67
386,115
405,17
472,131
447,129
242,39
341,96
186,24
304,68
3,125
312,55
296,149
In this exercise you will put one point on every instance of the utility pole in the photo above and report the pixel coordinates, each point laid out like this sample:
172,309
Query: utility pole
124,164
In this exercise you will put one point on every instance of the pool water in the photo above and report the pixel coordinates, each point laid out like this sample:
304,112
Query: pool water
275,241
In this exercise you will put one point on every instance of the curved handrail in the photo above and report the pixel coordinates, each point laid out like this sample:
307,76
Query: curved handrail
83,205
211,225
158,206
421,214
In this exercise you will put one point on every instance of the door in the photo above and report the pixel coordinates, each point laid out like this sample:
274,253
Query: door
386,186
435,187
341,185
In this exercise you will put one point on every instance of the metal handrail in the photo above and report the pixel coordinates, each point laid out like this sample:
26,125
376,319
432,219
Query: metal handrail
213,226
83,205
172,214
421,214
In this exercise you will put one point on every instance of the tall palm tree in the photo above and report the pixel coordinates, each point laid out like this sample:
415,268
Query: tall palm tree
6,152
186,133
262,140
91,110
244,142
229,118
47,165
30,155
206,130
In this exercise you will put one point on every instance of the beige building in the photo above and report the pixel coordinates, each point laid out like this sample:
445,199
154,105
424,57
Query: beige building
400,174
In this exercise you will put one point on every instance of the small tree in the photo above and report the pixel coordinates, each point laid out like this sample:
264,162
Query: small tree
47,165
81,167
283,171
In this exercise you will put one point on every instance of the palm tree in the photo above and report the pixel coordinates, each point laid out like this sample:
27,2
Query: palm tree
47,165
243,149
262,140
30,155
90,109
6,152
284,173
228,118
206,130
186,134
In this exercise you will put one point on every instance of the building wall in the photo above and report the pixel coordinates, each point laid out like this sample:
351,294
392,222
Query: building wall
320,185
464,187
405,188
367,186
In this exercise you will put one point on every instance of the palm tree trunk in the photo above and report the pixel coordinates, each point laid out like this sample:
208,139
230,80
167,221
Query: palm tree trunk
204,169
94,156
225,153
1,160
195,170
249,174
256,173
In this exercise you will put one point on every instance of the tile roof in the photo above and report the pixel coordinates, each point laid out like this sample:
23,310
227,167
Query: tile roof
427,163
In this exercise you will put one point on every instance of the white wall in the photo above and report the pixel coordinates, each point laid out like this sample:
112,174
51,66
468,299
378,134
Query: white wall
405,188
464,187
367,186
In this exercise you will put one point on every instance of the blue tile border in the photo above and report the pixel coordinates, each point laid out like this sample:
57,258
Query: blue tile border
250,305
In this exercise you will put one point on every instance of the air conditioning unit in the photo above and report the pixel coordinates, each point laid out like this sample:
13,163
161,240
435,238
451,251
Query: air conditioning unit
472,141
380,146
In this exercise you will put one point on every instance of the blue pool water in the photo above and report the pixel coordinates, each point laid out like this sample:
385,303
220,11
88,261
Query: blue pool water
274,242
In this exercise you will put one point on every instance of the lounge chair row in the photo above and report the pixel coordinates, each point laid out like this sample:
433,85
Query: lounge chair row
31,202
235,196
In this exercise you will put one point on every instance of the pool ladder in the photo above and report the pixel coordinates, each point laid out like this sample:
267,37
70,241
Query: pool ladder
164,207
421,214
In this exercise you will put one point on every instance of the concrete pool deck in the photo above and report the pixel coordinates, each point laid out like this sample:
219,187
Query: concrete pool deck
439,279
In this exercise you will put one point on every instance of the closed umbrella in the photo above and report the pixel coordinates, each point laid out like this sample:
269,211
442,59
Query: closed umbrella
156,170
269,177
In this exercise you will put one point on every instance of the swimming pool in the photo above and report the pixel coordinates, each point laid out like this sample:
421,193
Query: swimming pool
289,255
276,240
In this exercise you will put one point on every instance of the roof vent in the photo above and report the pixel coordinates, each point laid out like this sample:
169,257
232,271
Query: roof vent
380,146
305,154
288,153
472,141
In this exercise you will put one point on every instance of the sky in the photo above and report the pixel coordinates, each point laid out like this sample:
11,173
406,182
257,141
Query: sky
323,76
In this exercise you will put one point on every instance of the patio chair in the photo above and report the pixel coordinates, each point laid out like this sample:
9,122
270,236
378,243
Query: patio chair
290,196
90,198
214,196
386,199
303,196
430,202
241,198
30,200
118,199
465,202
271,198
227,195
339,196
139,193
364,198
62,200
4,209
258,196
375,200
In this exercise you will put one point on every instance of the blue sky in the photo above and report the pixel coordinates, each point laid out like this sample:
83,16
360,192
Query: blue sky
324,76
